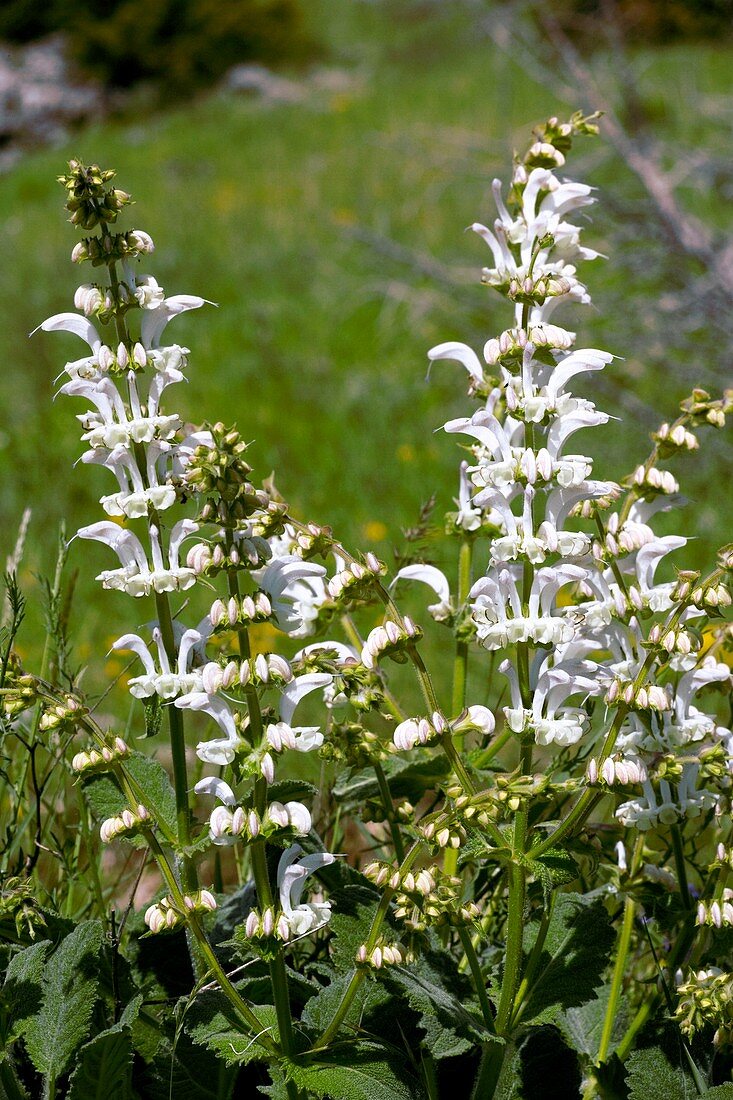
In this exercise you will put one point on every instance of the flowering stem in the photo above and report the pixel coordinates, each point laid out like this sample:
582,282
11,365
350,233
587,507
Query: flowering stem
178,750
278,973
679,862
624,941
207,951
478,978
533,962
388,805
357,977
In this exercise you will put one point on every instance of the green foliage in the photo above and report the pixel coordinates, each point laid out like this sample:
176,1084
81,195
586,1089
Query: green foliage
180,44
104,1067
652,1076
68,995
373,1002
21,994
405,779
582,1025
351,1072
435,989
152,787
212,1022
351,922
578,944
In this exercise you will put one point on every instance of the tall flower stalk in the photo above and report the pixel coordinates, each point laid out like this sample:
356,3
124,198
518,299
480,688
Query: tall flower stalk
569,754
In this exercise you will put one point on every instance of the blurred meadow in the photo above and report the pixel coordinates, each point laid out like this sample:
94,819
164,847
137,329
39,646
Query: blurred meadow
325,219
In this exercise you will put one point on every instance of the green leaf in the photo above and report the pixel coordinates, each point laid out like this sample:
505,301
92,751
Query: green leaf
21,994
478,845
69,994
405,779
152,786
356,1072
436,990
351,921
582,1025
555,868
720,1092
652,1076
187,1073
372,999
211,1021
104,1067
288,790
579,942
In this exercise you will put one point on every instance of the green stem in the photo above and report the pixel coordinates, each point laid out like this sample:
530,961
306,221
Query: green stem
207,951
649,1004
478,978
679,862
624,941
278,973
515,932
389,813
357,977
178,750
532,963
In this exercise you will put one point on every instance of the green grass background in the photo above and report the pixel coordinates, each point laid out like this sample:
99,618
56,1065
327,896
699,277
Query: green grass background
317,347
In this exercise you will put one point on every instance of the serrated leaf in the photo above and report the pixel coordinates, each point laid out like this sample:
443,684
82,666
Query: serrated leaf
351,921
555,868
69,993
21,993
104,1067
371,998
438,992
288,790
356,1072
405,779
188,1073
651,1076
582,1025
152,785
212,1022
478,845
579,941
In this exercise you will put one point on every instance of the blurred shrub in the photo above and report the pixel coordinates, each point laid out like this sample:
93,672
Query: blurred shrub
647,21
180,45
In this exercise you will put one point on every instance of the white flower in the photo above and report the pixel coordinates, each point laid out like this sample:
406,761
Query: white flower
292,815
297,592
222,750
161,680
292,871
436,580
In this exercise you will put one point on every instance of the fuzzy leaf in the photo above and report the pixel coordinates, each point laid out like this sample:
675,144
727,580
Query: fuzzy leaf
188,1073
578,944
356,1072
21,994
10,1086
212,1022
653,1077
720,1092
371,998
555,868
582,1025
104,1067
288,790
155,791
405,779
69,991
438,992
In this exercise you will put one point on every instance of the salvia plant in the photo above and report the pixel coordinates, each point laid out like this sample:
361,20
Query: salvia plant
517,889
